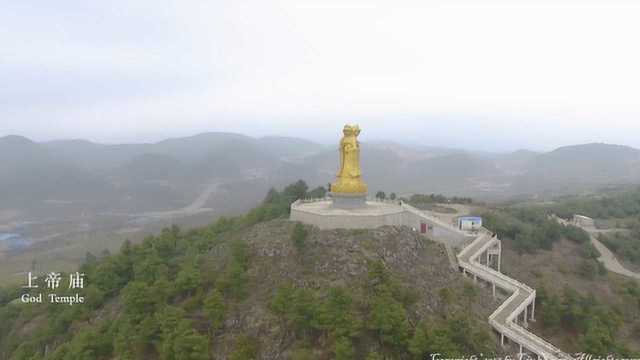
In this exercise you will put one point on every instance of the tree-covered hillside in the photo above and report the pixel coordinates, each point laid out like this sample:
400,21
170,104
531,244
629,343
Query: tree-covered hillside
259,286
619,205
580,306
617,213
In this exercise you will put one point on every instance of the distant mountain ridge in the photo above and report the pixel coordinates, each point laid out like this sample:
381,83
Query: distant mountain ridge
30,171
135,177
172,172
581,167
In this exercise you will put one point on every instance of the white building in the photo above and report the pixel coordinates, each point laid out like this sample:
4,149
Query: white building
469,223
583,221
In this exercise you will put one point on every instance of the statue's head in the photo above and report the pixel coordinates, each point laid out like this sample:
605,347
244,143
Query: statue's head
351,130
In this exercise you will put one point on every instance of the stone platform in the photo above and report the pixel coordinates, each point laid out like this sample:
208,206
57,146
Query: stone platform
349,201
325,215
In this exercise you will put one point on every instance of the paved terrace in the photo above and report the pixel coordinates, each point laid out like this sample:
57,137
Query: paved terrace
324,207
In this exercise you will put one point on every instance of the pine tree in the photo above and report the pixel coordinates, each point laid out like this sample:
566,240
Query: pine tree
215,309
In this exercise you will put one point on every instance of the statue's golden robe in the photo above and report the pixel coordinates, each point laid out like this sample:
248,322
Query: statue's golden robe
348,179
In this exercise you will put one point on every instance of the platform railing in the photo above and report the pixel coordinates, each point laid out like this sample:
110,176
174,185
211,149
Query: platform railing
436,221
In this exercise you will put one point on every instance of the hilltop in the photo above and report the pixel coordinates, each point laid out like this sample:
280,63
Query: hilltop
67,197
259,286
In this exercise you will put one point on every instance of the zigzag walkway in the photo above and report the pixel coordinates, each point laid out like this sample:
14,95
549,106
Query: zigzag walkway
505,319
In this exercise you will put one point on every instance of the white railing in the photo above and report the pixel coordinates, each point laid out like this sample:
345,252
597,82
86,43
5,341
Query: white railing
434,220
504,305
474,243
496,274
486,245
550,347
509,328
487,276
311,200
386,201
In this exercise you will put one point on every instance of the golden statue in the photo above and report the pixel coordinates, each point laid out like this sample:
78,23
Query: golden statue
348,179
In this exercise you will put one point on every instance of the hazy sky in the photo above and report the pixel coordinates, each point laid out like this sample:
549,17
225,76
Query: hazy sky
477,74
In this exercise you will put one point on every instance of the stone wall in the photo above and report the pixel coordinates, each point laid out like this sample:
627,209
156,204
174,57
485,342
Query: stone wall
399,215
348,222
438,230
352,221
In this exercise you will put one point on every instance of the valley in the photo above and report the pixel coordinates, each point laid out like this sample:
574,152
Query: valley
96,195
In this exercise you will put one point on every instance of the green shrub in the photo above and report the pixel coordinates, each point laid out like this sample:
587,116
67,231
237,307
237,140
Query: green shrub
299,236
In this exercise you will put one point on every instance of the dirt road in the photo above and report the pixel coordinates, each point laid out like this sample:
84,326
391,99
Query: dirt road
195,207
609,260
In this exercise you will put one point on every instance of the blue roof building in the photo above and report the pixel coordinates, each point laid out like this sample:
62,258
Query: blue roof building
469,222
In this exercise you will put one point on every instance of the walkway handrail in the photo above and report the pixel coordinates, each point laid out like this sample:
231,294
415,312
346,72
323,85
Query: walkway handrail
554,349
510,328
482,249
519,334
525,337
504,305
484,274
468,248
503,277
437,221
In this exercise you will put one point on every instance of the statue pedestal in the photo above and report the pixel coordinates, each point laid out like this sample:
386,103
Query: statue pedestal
348,200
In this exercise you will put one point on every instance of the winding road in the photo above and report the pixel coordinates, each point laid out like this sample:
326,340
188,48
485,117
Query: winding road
609,260
195,207
607,257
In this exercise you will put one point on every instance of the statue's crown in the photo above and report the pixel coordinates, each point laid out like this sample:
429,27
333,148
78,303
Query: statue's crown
351,130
